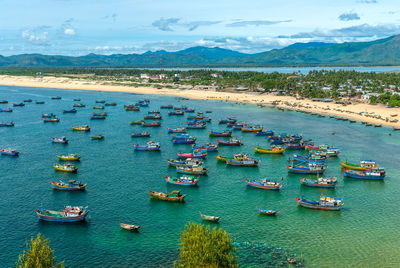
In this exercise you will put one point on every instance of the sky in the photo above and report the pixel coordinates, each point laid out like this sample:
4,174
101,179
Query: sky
80,27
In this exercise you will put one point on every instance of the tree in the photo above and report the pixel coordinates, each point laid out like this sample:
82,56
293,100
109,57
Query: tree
38,255
202,247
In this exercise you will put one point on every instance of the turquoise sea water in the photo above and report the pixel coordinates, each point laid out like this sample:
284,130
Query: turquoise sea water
364,234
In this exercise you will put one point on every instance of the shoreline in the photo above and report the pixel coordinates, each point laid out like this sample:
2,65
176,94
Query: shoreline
362,112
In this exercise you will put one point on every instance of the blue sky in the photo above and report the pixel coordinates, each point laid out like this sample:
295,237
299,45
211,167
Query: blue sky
79,27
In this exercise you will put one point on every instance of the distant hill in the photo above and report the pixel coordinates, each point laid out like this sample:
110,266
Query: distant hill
379,52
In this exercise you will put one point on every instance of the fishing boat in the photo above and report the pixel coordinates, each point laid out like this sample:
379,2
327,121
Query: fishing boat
183,139
97,117
252,128
153,112
131,108
137,122
129,227
62,140
226,133
177,112
77,99
98,107
8,110
231,142
183,180
28,100
294,146
99,114
174,196
363,165
272,150
152,124
153,116
141,134
110,104
72,111
56,98
71,185
150,146
48,115
79,105
3,101
368,174
65,168
245,162
69,157
169,106
19,104
265,133
186,162
227,121
209,218
81,128
208,147
97,137
177,130
267,212
320,182
69,214
191,169
39,102
10,152
51,120
194,154
7,124
238,156
265,184
100,101
308,159
196,126
325,203
310,168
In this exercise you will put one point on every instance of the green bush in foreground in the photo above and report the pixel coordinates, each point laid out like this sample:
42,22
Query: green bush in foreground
38,255
202,247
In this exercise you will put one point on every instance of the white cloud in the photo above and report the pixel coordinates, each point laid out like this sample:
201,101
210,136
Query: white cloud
37,36
69,31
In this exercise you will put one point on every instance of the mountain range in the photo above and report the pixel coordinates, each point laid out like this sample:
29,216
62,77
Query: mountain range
379,52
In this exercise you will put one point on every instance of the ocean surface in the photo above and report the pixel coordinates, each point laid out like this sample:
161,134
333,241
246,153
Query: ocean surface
302,70
364,234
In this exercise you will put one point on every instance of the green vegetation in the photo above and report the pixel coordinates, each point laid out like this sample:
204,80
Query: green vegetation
203,247
38,255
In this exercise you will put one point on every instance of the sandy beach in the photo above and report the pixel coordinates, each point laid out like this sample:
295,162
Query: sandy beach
373,114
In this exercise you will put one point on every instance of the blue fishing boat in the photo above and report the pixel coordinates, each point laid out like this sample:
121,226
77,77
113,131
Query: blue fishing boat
19,104
191,170
320,182
186,161
209,147
265,133
72,111
150,146
100,101
177,130
97,117
308,159
309,168
69,214
325,203
368,174
183,139
8,110
56,98
141,134
196,126
169,106
183,180
177,112
10,152
48,115
265,184
245,162
7,124
225,133
294,146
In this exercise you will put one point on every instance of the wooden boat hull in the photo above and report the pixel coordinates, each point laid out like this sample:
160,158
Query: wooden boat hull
179,199
267,212
57,186
353,166
303,204
311,183
81,217
355,175
65,169
268,151
80,129
68,158
215,134
259,186
304,171
129,227
210,218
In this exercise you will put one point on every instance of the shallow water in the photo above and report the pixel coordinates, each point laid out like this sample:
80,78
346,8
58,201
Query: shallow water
363,234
